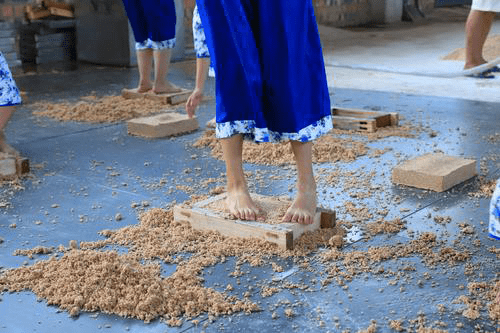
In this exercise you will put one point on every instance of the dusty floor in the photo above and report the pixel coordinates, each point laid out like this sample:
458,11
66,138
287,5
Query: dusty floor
425,263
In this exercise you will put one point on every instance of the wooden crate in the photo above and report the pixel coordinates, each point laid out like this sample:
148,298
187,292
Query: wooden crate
203,216
362,120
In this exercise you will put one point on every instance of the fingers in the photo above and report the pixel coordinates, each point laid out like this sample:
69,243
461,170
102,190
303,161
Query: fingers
190,107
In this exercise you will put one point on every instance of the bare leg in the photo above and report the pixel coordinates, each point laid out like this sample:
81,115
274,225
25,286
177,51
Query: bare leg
303,208
238,200
144,64
477,27
162,64
5,114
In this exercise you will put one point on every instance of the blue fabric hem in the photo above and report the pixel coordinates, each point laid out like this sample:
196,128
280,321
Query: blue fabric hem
494,237
10,104
253,133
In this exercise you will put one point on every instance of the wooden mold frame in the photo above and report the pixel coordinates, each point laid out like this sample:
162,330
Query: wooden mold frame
172,98
284,234
362,120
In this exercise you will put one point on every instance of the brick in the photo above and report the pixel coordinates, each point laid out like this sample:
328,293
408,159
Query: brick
7,168
162,125
437,172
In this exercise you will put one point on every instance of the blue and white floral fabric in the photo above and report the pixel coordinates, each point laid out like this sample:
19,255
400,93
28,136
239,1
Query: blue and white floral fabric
252,133
149,44
200,41
9,94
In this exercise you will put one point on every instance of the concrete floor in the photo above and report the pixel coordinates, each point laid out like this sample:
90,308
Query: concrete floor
74,177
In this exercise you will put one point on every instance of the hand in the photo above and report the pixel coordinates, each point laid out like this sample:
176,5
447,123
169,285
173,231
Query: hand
193,101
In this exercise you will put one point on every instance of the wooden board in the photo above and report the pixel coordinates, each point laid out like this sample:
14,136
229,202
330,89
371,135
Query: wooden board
60,5
61,12
36,14
362,120
202,216
171,98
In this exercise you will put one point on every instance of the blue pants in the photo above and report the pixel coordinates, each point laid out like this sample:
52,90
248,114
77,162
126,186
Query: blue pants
270,75
152,21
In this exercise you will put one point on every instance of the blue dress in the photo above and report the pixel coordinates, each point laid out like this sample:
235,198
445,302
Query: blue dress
270,76
153,23
9,94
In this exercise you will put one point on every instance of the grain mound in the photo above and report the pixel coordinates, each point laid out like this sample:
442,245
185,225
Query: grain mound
93,109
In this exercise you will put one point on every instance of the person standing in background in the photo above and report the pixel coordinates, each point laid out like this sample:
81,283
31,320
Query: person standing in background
477,28
153,25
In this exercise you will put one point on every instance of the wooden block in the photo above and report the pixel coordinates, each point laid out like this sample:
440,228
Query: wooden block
60,5
7,167
437,172
209,215
362,120
22,166
173,98
162,125
61,12
36,14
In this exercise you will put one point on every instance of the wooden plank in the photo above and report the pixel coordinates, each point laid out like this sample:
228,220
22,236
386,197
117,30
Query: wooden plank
61,12
202,216
171,98
357,124
60,5
37,15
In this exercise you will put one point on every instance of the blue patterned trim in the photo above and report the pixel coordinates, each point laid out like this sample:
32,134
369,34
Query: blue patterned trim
149,44
250,132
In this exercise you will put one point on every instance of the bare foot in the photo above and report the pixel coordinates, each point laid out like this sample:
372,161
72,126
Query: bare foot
241,205
303,208
168,88
141,89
